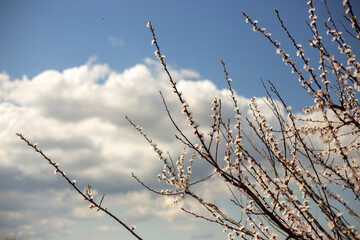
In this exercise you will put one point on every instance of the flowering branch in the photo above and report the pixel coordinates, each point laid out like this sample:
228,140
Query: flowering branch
87,195
288,171
285,179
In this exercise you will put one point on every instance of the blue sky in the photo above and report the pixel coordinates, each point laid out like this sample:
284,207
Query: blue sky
40,35
65,48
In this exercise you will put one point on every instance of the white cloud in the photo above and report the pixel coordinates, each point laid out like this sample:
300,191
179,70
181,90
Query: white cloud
77,118
115,41
203,235
183,227
105,228
143,205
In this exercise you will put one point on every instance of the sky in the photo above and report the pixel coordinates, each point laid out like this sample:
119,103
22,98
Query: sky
71,70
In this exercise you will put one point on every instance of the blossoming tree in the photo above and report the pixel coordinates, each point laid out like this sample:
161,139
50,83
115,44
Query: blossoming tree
285,178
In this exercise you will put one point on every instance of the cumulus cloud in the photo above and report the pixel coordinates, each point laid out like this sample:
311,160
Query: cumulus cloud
105,228
77,118
203,235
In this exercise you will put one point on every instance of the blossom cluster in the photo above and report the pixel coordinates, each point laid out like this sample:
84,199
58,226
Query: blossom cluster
299,162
